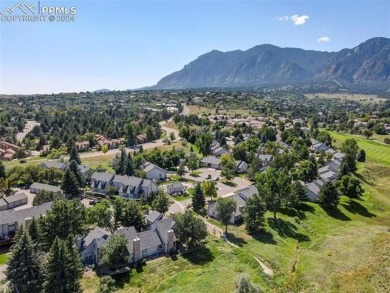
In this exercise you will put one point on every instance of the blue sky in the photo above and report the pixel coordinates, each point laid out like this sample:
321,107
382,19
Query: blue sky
130,44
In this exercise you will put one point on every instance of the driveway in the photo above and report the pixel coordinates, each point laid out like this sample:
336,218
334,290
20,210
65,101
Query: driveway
224,189
29,126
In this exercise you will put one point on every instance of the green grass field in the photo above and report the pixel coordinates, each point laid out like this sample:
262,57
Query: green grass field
375,152
3,258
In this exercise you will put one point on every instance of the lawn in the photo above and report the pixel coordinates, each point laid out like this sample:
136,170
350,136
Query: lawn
213,269
101,160
3,258
375,152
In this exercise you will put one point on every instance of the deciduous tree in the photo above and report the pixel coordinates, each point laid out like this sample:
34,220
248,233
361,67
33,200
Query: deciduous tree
225,208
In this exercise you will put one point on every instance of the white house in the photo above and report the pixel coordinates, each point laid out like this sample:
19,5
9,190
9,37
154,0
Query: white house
211,162
176,188
153,172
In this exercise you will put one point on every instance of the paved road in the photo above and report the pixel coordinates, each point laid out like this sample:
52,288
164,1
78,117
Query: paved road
29,126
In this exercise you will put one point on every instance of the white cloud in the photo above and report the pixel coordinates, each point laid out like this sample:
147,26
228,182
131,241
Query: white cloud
299,19
284,17
323,40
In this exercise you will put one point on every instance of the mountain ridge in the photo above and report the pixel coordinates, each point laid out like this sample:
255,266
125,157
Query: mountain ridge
367,64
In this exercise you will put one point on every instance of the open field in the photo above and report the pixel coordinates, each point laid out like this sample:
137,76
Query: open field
375,151
3,258
211,111
213,269
364,99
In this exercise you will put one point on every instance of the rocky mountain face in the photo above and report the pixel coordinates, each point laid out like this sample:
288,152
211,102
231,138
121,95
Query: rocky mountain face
367,65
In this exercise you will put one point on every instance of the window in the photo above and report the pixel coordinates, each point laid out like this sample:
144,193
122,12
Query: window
160,247
144,252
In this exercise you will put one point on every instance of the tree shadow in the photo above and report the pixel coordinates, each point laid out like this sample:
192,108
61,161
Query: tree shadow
229,183
356,208
121,279
235,240
304,207
264,237
287,229
201,256
294,213
337,214
362,178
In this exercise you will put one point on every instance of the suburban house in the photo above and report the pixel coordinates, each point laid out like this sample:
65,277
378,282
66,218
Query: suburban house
39,187
176,187
8,150
127,186
241,197
313,189
153,172
54,164
152,217
241,166
10,220
45,150
101,181
82,146
265,159
159,239
13,201
317,146
84,171
211,162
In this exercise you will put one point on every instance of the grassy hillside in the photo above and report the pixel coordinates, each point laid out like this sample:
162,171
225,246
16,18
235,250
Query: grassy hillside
309,251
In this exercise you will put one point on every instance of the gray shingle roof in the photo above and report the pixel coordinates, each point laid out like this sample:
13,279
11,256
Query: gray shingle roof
176,184
248,192
54,164
163,226
127,180
211,160
94,234
47,187
15,197
146,167
102,176
11,216
153,216
3,203
313,188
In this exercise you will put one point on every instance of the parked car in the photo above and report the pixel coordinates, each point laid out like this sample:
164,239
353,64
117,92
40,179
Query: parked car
216,178
208,176
93,202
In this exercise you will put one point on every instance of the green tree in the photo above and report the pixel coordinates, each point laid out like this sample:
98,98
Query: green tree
100,214
350,186
274,187
129,165
254,167
161,202
244,285
120,162
104,149
296,195
203,142
193,162
74,155
361,156
307,171
5,187
34,231
43,197
24,266
180,171
367,133
225,208
66,217
106,285
191,231
115,254
132,215
350,147
254,213
74,168
329,197
2,171
70,185
209,189
62,271
228,166
198,200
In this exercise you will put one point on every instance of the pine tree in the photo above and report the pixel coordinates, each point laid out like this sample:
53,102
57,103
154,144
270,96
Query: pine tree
70,185
129,169
198,200
34,231
24,269
62,271
74,168
119,167
74,155
2,170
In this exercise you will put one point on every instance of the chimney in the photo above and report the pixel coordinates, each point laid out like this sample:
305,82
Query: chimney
27,222
170,242
172,215
137,250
